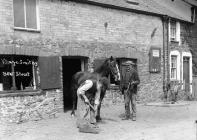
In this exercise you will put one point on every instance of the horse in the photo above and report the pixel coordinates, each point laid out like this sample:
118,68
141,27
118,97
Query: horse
108,67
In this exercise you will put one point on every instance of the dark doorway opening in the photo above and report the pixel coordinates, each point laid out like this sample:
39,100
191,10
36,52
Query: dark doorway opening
69,67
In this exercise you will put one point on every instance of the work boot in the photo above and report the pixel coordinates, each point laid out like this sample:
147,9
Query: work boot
126,118
94,125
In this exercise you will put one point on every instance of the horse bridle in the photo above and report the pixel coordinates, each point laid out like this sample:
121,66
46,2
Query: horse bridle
115,73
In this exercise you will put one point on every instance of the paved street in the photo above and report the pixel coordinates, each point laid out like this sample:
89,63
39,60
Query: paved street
153,123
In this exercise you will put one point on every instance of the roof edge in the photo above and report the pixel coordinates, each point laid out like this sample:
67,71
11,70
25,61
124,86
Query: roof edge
105,5
190,2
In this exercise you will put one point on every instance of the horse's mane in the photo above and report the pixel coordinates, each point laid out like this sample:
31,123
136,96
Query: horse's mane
103,69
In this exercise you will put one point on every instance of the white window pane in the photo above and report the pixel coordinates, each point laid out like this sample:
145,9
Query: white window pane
172,73
31,18
19,18
173,61
173,67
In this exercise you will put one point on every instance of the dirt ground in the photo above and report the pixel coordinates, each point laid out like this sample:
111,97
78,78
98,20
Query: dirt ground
153,123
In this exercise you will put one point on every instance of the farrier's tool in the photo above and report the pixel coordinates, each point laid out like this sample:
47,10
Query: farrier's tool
91,107
88,109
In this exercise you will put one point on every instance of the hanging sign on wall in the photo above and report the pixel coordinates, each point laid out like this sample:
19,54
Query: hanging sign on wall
155,60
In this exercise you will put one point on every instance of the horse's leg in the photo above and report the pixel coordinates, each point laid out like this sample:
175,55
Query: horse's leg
74,101
73,107
98,116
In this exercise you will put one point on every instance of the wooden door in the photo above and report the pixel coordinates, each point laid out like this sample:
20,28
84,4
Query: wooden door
194,86
186,74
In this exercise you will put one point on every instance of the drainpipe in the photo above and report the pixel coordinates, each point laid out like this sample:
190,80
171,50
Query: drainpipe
168,52
166,76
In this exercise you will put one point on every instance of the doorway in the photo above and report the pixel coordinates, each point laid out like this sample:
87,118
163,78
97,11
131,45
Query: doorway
186,73
69,67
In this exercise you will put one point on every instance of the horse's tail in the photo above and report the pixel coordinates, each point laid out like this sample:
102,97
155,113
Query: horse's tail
73,90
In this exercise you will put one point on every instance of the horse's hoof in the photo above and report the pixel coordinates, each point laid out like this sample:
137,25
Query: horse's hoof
73,114
98,119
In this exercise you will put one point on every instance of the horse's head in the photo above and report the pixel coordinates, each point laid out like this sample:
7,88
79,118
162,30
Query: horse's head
109,66
114,68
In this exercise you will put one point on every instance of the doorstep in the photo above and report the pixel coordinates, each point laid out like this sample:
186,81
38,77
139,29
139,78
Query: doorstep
167,104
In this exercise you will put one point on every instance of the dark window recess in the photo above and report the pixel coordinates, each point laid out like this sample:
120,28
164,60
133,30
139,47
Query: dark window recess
49,72
193,15
18,72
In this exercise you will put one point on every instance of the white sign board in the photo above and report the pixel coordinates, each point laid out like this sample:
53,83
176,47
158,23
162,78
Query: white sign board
155,53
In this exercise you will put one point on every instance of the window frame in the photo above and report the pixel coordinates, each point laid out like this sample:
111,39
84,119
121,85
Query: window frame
173,30
173,68
176,37
14,59
37,19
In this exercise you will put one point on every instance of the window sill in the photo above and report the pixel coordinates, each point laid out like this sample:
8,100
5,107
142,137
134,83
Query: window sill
173,79
21,93
174,42
114,87
26,29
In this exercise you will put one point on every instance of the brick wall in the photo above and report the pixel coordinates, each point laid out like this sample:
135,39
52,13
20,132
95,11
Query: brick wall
6,19
193,45
112,32
184,46
83,22
73,29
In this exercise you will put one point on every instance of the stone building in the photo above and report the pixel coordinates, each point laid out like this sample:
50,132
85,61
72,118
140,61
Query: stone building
44,42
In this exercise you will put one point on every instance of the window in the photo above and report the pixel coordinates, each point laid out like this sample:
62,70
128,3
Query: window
22,72
173,67
18,72
193,15
25,14
174,31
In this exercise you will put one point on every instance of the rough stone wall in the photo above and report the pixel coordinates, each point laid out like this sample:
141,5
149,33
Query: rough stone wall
24,108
